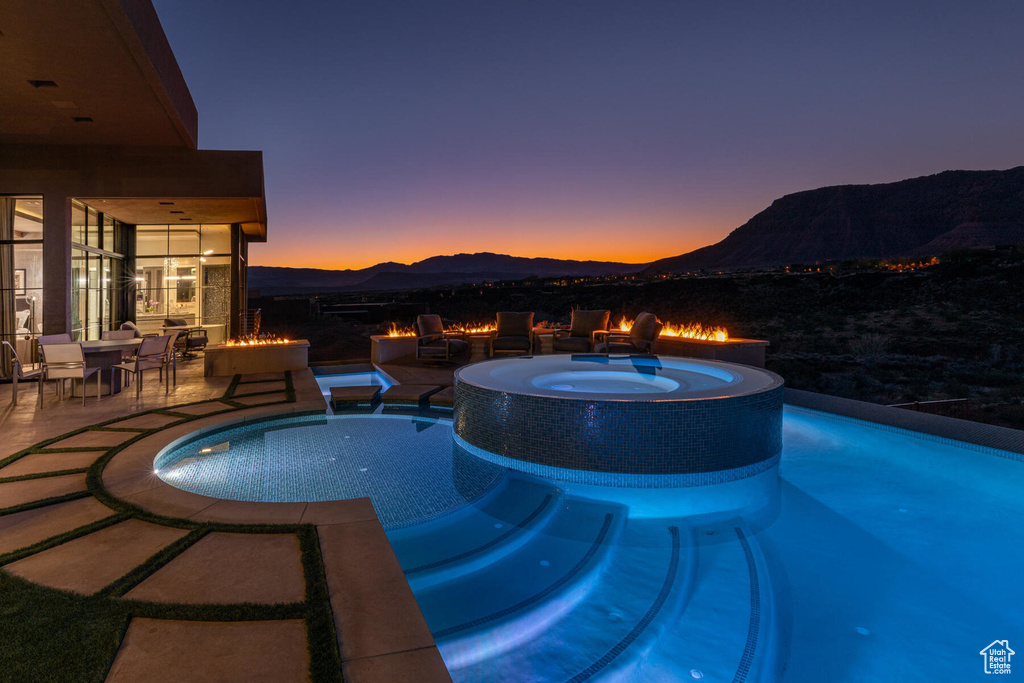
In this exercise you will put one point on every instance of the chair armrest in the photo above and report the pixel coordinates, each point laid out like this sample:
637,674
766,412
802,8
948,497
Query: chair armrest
613,336
594,334
556,334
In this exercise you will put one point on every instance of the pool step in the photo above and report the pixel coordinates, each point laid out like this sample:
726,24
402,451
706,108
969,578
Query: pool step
547,575
493,527
619,612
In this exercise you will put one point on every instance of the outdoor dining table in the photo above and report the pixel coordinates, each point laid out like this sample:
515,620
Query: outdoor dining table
105,354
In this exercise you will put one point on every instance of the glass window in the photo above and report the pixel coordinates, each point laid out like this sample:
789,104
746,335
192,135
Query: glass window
151,240
108,234
79,293
28,219
184,239
77,223
92,223
21,275
216,239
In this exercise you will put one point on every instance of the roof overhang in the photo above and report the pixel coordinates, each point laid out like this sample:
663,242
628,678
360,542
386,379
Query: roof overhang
108,60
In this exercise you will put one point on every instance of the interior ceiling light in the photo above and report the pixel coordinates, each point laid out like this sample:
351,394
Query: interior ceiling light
82,119
184,219
177,212
42,84
166,203
207,252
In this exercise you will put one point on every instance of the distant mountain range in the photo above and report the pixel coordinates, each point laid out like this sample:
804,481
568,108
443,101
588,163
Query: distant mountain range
435,271
917,217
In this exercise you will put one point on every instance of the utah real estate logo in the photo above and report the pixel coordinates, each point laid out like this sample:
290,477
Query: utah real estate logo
997,657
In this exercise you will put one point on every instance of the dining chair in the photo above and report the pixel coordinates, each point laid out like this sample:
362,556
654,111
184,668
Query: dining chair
20,372
152,355
63,361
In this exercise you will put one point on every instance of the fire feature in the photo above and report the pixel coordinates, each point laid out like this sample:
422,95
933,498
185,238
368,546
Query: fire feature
255,354
690,331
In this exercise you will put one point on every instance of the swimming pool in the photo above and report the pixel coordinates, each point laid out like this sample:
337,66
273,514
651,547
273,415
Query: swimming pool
884,555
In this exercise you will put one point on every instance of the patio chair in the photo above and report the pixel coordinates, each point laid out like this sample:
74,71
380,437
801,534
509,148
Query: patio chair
65,361
579,338
191,339
20,372
152,355
64,338
639,339
129,325
433,342
514,334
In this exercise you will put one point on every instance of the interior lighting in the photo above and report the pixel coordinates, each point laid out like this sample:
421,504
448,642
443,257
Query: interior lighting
207,252
42,84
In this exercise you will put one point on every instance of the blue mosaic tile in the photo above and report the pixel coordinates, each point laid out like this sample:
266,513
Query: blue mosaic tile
635,437
406,465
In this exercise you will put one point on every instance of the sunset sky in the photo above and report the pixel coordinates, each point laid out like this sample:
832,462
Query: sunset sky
628,131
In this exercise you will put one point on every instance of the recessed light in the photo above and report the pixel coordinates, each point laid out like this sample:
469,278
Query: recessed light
42,84
177,212
166,203
184,219
82,119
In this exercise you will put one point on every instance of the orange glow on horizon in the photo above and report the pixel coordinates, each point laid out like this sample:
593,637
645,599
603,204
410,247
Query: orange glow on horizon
581,238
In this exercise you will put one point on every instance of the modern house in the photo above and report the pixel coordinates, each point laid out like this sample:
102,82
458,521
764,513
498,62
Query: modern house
109,211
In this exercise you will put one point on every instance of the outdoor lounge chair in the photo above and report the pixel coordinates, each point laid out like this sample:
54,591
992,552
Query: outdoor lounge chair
65,361
579,338
190,339
20,372
639,339
433,342
514,334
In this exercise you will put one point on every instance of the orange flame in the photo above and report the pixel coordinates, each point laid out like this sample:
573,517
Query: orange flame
395,331
256,341
691,331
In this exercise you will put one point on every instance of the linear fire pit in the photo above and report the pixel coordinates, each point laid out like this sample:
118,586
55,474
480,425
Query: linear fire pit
224,360
732,350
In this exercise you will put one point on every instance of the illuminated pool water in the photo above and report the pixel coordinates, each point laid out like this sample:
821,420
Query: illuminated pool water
882,556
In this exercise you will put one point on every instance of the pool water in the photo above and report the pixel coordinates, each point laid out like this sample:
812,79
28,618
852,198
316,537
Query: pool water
351,379
884,556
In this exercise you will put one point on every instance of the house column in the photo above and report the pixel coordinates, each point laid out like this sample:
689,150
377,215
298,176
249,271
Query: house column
56,262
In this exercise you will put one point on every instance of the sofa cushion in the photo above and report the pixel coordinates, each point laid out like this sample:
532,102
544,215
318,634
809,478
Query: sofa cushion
511,344
571,344
644,327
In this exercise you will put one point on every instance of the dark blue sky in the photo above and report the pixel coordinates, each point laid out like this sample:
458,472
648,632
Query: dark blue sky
612,130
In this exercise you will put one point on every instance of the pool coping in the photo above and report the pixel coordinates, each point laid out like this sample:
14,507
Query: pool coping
1006,442
129,477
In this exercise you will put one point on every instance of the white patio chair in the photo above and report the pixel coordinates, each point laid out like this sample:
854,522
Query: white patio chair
152,355
65,361
20,372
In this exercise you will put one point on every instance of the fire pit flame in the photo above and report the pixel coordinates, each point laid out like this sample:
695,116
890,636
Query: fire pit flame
690,331
262,340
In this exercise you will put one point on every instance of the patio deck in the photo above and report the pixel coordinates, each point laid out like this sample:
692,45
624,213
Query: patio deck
251,591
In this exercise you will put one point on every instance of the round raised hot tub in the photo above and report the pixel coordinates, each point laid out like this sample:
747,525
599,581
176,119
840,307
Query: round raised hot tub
634,421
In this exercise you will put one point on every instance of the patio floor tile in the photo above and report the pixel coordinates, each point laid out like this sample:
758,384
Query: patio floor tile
92,438
375,612
264,377
261,399
230,568
243,512
19,492
31,526
201,408
339,511
34,463
87,564
257,387
159,651
151,421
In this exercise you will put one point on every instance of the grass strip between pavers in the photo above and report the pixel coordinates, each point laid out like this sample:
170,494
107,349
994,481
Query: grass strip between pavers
38,649
42,475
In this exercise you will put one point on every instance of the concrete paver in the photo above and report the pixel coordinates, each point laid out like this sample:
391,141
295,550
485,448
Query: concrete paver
162,651
35,463
375,612
92,439
423,666
26,528
30,490
89,563
151,421
230,568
